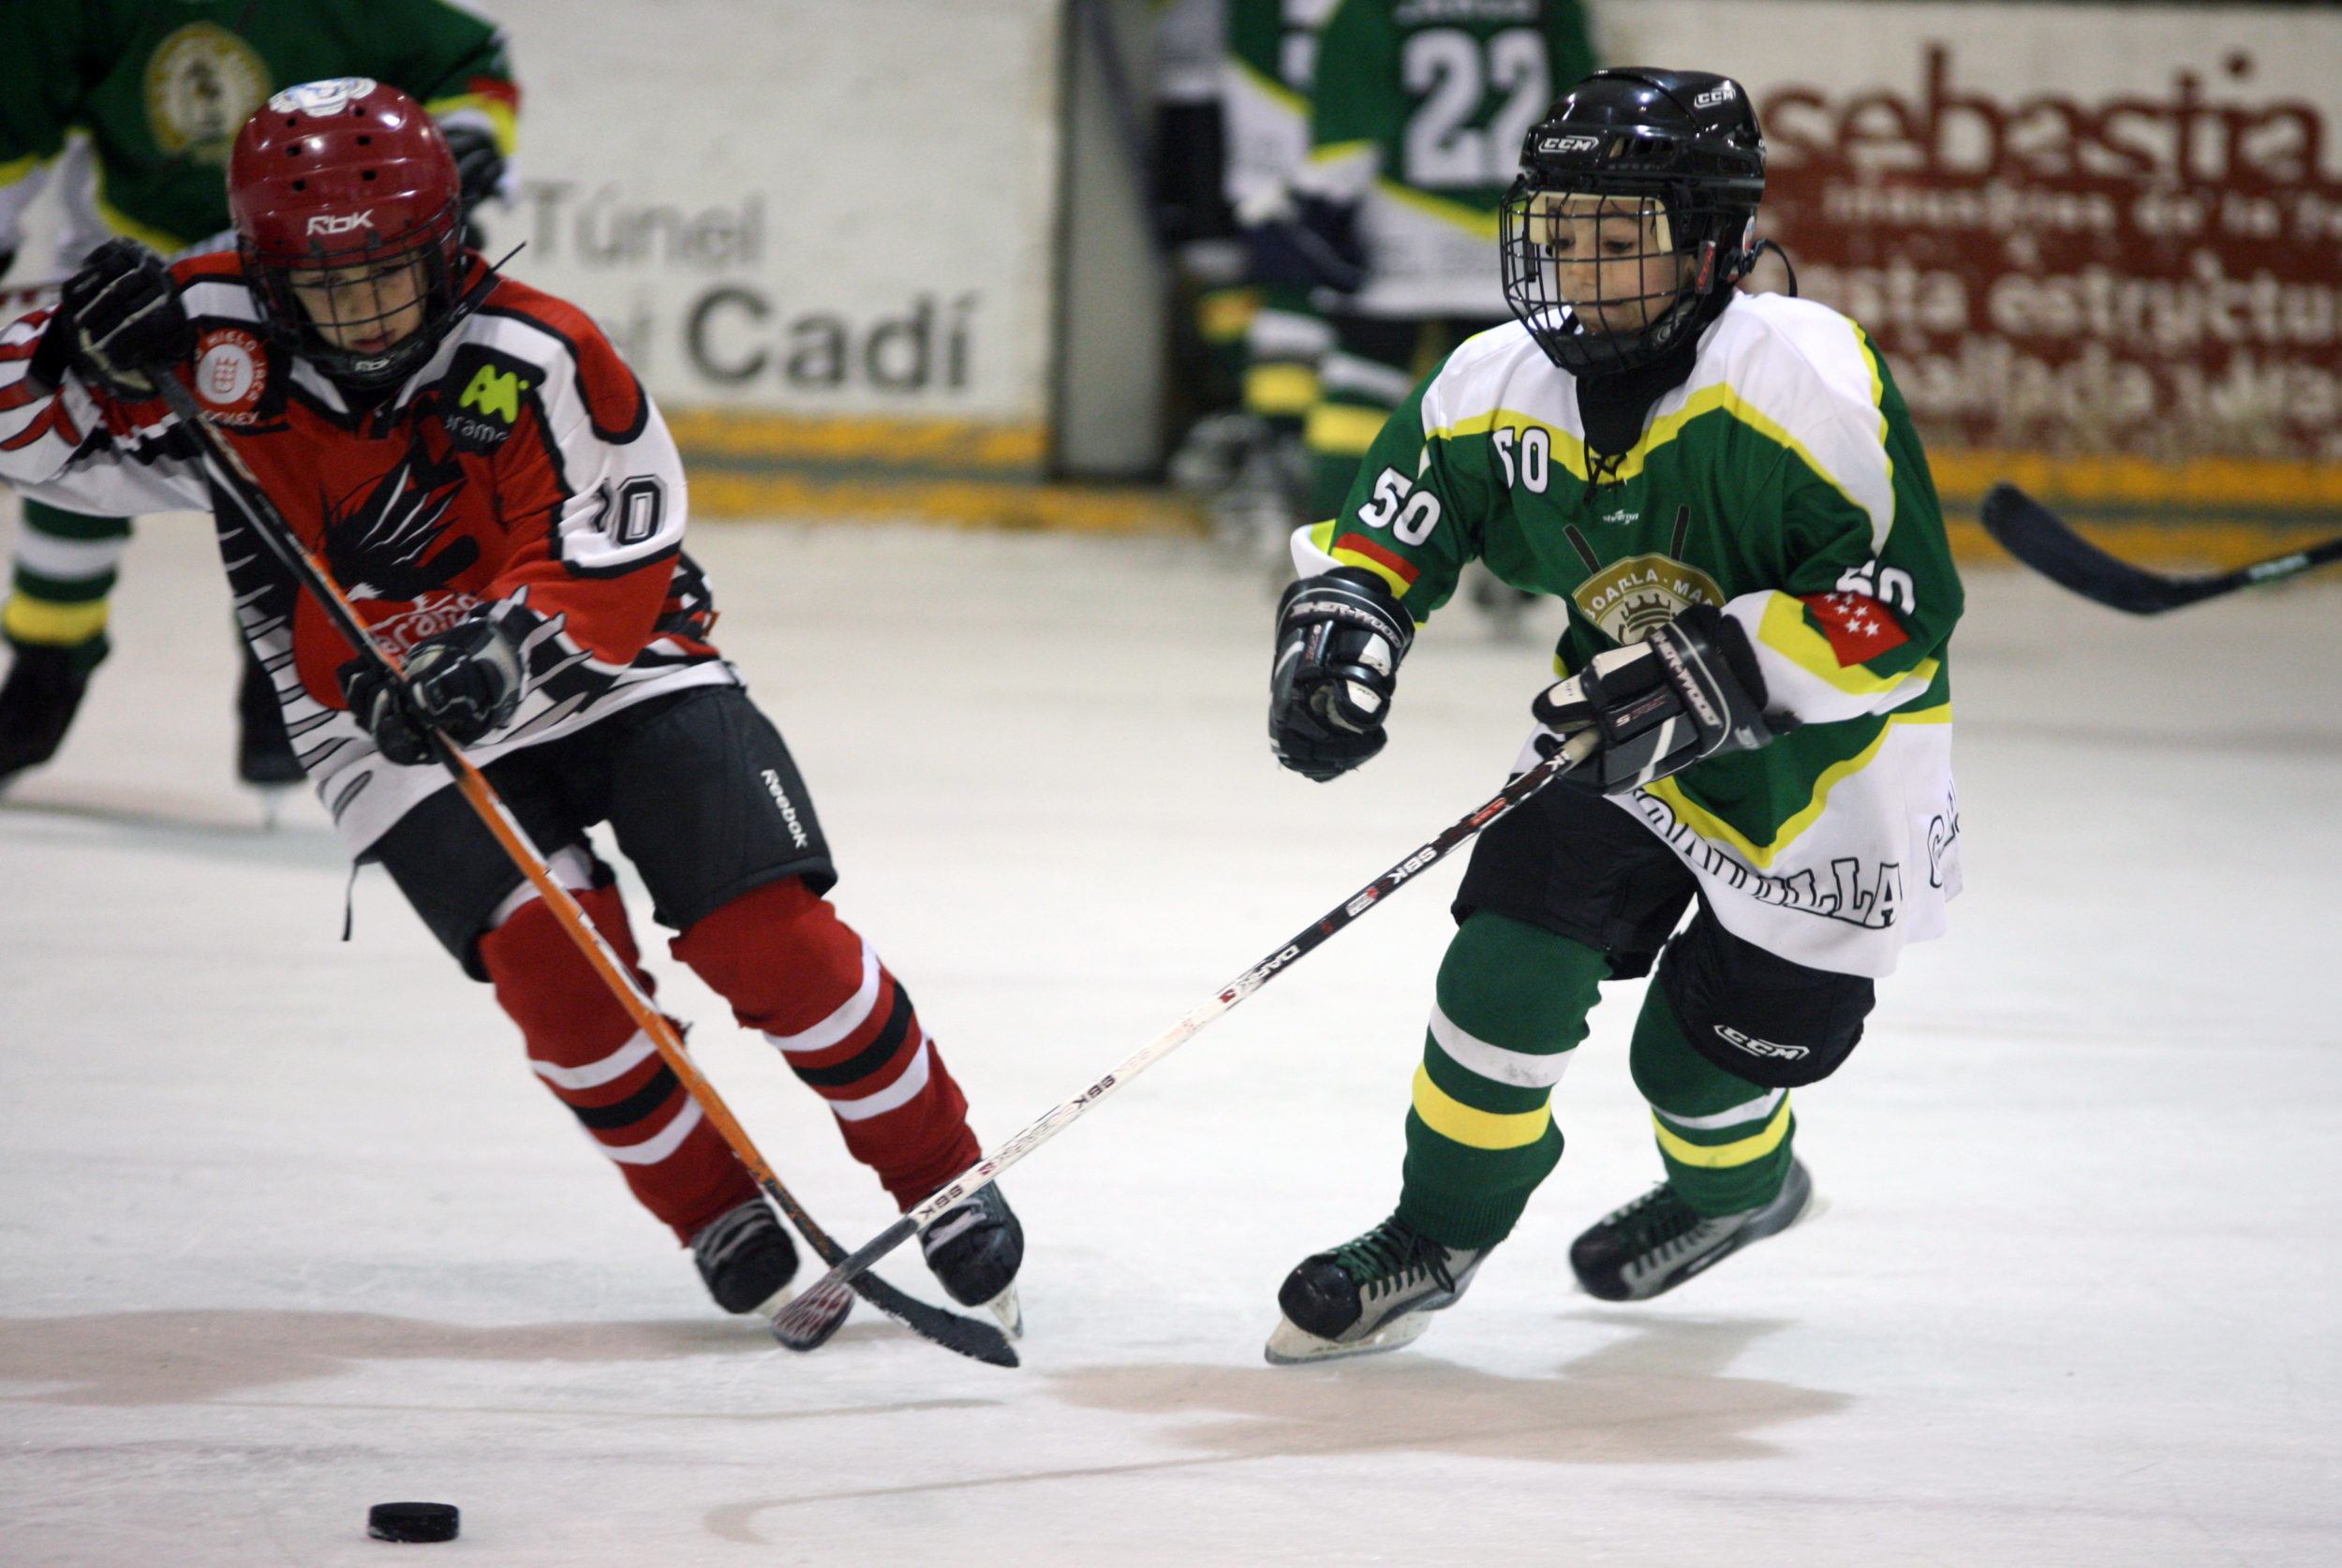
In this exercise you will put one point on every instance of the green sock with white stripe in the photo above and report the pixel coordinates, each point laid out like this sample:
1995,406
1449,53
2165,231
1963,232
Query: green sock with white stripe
1725,1140
1512,1004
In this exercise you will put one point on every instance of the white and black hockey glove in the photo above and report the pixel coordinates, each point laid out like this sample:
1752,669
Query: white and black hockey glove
465,682
118,323
1340,638
1688,690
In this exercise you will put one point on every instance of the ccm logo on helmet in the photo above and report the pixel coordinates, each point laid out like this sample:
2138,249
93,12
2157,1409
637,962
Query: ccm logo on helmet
1721,93
338,223
1569,144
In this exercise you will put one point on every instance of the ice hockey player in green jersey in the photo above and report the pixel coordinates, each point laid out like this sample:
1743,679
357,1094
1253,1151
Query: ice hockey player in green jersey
127,108
1416,110
1726,491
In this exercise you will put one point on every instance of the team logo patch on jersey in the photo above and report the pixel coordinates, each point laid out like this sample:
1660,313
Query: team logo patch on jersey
230,373
485,391
1637,596
202,82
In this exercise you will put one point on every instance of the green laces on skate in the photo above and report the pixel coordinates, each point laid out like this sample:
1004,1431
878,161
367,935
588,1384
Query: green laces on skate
1390,1253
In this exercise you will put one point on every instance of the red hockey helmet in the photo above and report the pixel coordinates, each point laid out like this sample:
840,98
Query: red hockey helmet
347,209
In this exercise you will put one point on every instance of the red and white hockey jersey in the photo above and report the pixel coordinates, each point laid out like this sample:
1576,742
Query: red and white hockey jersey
521,473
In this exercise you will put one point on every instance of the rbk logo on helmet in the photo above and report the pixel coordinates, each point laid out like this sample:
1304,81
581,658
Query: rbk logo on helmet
340,223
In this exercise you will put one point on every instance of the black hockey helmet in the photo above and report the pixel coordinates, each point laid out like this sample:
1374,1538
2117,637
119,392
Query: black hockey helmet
1660,171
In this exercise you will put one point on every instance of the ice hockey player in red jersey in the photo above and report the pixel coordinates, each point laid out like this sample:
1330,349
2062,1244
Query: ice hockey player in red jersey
497,494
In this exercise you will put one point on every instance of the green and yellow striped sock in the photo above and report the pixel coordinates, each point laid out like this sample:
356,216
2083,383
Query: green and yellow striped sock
65,569
1725,1140
1511,1005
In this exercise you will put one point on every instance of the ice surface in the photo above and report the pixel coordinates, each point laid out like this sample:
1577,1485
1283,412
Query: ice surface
287,1228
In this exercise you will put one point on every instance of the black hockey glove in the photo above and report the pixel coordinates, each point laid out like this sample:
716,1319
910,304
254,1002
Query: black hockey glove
479,171
118,323
1688,690
1310,244
1340,638
464,682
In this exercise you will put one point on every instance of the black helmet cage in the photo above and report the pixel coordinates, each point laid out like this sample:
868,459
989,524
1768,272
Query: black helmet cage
1678,154
424,249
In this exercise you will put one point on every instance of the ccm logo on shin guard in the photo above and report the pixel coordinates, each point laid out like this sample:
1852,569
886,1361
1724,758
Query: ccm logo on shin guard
788,808
1756,1047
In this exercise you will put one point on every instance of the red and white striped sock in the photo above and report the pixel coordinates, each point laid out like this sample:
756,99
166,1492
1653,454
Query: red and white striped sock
589,1052
794,970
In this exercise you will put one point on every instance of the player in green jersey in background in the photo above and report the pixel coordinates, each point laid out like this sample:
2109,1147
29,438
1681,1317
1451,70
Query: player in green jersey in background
134,104
1726,491
1417,109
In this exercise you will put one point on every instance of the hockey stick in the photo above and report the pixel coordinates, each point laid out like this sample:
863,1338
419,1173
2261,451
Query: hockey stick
2046,542
814,1315
233,478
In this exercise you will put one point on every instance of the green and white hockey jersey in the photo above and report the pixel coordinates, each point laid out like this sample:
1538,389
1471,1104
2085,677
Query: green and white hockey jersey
1264,95
161,90
1418,109
1782,481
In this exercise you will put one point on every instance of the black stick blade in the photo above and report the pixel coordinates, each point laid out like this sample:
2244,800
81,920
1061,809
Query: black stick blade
2038,538
821,1317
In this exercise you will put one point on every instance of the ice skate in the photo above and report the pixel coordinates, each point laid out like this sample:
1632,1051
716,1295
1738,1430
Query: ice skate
975,1249
1657,1242
43,690
746,1259
1374,1293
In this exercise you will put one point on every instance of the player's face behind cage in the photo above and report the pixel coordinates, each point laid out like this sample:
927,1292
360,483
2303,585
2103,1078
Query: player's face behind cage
1610,259
1604,281
364,309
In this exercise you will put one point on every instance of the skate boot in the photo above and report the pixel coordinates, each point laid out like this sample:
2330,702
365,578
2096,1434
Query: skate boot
1657,1242
264,754
746,1259
975,1249
38,699
1374,1293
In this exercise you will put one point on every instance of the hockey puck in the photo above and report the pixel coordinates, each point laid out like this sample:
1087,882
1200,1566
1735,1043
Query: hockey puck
411,1521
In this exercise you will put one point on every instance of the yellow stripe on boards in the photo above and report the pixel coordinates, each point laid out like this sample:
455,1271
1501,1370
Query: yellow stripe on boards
1784,629
1458,1122
34,620
1708,825
1345,429
1716,1157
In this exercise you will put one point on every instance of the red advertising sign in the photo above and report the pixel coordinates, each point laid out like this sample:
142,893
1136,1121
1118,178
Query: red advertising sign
2128,274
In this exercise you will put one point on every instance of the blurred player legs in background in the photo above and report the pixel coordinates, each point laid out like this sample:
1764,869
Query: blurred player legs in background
126,111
